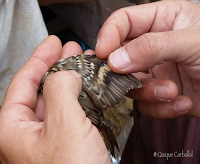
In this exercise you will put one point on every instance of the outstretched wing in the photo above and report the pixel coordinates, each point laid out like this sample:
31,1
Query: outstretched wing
104,86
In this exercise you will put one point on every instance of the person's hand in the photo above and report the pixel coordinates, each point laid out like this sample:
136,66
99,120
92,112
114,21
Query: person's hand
163,37
64,134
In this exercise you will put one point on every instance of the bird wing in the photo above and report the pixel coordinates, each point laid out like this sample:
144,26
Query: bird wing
104,86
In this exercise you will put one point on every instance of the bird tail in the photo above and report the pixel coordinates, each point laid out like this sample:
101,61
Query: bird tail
109,139
97,118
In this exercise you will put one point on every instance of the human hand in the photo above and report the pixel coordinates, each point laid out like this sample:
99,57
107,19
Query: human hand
53,129
163,37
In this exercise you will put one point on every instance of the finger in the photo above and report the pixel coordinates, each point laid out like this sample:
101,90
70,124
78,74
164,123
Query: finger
89,52
153,49
71,49
156,90
65,121
131,22
181,105
23,88
61,91
168,70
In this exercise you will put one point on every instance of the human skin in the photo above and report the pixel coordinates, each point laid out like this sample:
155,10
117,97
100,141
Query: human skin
53,128
162,37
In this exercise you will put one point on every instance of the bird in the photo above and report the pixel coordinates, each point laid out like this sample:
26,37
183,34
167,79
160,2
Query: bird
101,89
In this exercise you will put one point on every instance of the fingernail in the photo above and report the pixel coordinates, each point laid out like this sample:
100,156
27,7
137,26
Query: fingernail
181,107
162,93
74,73
120,59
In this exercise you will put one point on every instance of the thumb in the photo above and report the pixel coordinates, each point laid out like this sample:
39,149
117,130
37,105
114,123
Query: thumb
66,126
61,91
151,49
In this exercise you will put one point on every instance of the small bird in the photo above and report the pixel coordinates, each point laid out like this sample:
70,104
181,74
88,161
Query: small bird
101,89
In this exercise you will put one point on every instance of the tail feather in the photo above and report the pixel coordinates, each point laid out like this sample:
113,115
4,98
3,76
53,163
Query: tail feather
97,118
109,139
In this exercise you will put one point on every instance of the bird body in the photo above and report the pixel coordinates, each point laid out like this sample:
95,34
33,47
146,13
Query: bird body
101,89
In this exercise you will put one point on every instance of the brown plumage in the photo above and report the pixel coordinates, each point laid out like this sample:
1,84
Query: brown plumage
101,89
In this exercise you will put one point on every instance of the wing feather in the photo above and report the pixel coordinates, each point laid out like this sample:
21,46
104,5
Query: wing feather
106,87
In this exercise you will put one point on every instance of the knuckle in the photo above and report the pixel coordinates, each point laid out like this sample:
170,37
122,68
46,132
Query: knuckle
148,45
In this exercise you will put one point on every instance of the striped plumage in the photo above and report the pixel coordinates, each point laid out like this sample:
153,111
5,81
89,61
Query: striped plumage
101,89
